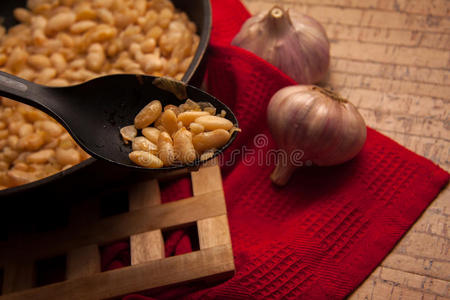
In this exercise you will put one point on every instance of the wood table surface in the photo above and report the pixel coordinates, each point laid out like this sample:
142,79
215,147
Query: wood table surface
391,58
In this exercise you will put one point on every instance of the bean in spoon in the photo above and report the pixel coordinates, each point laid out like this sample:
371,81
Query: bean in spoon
94,111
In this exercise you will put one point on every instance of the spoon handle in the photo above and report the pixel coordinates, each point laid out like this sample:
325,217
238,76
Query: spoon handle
23,91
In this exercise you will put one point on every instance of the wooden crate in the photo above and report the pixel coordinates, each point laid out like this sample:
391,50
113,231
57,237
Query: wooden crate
80,242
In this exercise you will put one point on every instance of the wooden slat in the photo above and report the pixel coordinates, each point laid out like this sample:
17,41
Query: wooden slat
144,194
213,232
18,275
149,245
84,211
146,246
216,261
207,179
83,261
167,215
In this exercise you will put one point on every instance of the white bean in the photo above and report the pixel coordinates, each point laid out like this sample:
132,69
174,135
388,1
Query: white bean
145,159
188,117
183,147
60,22
128,133
141,143
41,156
210,140
165,149
67,156
152,134
148,114
214,122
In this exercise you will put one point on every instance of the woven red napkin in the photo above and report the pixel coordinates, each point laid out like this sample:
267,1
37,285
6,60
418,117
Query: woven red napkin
321,235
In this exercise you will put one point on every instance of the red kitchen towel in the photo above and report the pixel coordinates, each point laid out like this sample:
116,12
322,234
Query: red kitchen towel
321,235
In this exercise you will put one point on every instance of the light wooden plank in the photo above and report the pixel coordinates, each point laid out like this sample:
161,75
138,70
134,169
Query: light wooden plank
213,232
145,246
207,179
211,262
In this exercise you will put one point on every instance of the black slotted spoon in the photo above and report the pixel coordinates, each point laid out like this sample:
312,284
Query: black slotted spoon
94,111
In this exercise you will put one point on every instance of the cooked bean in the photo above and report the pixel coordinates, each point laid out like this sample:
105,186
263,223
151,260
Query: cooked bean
196,128
51,143
106,16
145,159
210,140
66,39
78,63
148,114
34,115
39,61
151,133
31,142
17,59
128,133
45,75
165,149
101,33
82,26
141,143
214,122
148,45
41,156
25,129
183,147
95,58
58,62
60,22
175,108
9,154
152,63
66,141
169,121
188,117
12,141
21,166
70,41
58,82
67,156
50,127
3,58
22,15
4,166
19,177
84,11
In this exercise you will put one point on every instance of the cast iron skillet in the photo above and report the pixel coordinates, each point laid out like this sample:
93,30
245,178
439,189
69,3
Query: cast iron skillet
92,175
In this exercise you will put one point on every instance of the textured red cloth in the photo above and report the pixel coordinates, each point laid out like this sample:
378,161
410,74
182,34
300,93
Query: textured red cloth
321,235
